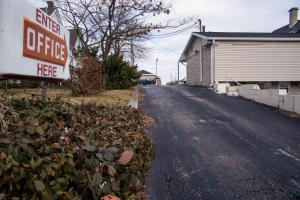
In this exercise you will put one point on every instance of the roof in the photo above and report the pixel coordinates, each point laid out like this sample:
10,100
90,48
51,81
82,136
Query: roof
288,29
239,36
144,72
49,11
247,35
50,7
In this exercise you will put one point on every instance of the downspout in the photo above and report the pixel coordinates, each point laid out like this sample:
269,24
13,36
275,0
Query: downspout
212,75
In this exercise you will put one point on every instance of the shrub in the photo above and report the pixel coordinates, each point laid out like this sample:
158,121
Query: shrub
119,73
56,150
87,77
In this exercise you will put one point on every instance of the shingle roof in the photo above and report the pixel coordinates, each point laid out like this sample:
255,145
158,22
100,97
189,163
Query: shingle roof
49,11
248,35
288,29
145,72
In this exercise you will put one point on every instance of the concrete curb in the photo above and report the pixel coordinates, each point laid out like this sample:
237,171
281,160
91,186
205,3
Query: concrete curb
134,102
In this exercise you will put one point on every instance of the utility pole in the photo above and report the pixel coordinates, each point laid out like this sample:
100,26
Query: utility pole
156,66
131,54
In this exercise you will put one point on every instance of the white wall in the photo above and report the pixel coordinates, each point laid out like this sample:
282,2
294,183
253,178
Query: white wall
257,61
289,103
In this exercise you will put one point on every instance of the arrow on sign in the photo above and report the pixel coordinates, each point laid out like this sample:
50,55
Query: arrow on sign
43,45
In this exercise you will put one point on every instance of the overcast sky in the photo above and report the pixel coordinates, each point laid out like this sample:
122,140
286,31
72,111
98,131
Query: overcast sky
217,15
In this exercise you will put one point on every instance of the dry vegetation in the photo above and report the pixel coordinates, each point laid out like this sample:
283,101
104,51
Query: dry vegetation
109,97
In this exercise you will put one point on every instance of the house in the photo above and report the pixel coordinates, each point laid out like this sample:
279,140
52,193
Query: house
52,11
271,60
294,23
148,78
75,43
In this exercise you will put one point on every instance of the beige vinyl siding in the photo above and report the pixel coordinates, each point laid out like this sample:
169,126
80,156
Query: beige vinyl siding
257,61
194,66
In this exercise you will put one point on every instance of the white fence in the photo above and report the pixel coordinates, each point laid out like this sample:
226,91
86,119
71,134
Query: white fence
270,97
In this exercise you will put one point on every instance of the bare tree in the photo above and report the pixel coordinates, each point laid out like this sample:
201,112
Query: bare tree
115,26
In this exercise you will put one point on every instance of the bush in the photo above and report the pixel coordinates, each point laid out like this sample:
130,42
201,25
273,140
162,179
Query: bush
87,77
56,150
119,73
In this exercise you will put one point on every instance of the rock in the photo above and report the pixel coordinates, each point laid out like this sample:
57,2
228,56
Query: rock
126,157
110,197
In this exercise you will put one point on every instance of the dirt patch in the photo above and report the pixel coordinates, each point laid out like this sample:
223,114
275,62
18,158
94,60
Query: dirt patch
108,97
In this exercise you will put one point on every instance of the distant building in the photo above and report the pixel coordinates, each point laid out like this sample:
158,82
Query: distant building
52,11
75,43
148,78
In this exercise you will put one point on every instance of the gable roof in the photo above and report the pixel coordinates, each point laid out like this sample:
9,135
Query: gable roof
238,36
288,29
49,11
241,35
144,72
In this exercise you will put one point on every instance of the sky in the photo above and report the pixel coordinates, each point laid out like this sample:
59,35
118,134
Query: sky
216,15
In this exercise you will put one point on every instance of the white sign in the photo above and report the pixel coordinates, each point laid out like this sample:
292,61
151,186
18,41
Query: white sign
32,44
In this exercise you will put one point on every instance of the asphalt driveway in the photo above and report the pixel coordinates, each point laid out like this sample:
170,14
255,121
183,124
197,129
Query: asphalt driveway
210,146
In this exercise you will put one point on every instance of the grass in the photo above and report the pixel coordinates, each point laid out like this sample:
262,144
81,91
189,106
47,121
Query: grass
106,98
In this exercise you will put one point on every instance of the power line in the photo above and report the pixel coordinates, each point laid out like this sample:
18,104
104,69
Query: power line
173,33
170,50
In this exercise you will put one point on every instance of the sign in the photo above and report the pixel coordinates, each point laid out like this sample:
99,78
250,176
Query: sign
33,44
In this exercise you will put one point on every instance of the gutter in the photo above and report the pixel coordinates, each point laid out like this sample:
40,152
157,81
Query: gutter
254,39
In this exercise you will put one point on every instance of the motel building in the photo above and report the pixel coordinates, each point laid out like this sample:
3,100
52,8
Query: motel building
224,59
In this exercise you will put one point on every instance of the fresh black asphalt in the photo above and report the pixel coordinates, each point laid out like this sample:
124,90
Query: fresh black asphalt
214,147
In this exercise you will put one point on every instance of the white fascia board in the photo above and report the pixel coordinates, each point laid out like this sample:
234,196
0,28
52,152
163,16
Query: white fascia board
183,57
249,38
256,39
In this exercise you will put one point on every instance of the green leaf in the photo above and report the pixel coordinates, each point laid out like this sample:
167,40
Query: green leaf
90,148
114,185
32,163
100,156
71,162
97,179
111,171
108,156
39,130
39,185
